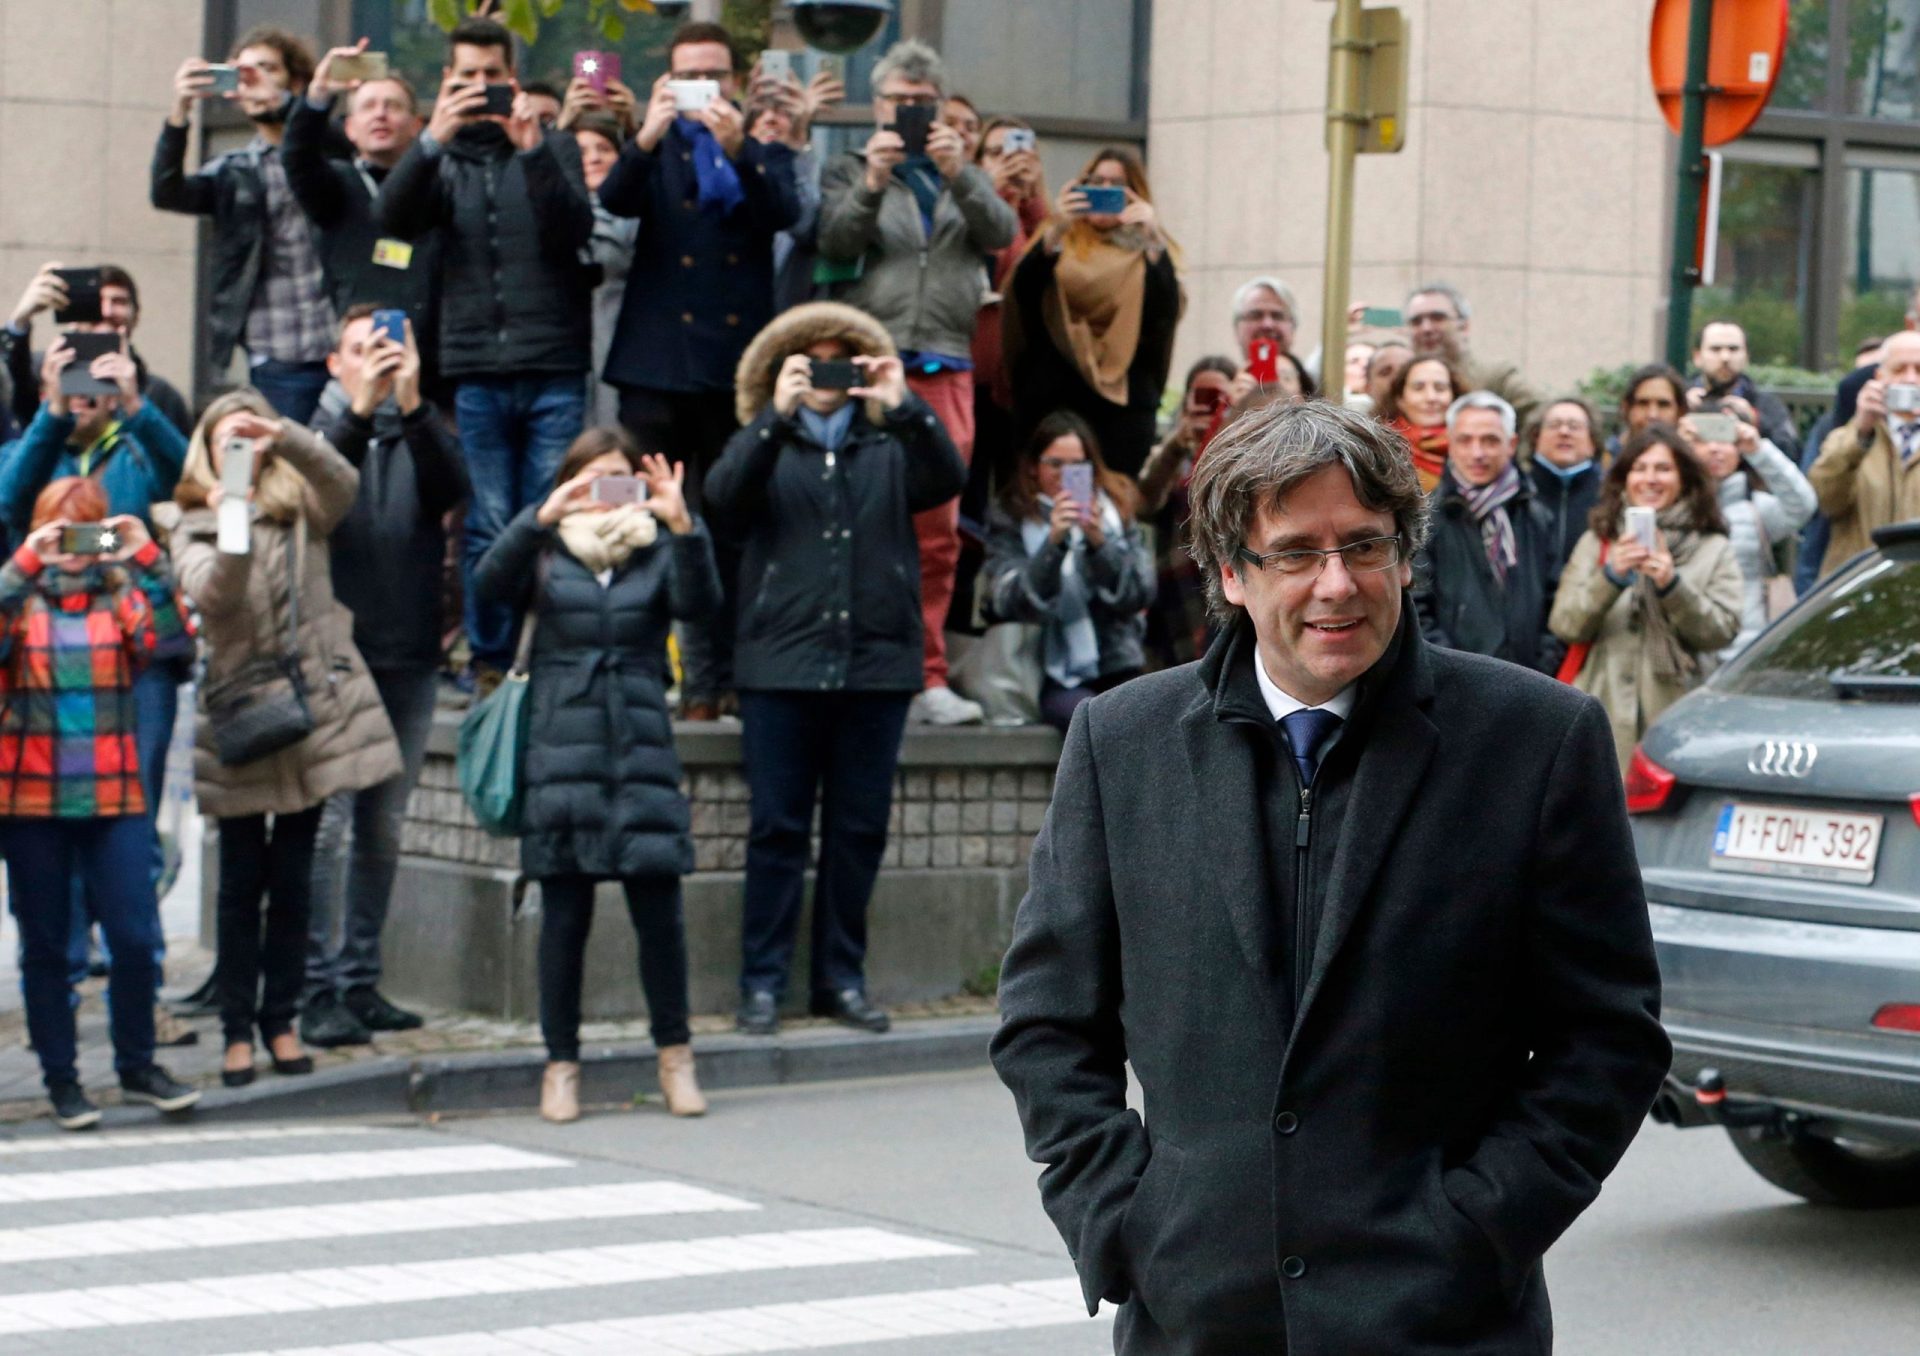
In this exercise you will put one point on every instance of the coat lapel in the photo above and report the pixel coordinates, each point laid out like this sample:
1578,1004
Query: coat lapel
1393,762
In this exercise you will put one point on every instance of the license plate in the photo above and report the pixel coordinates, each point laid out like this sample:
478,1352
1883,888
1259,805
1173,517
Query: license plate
1778,840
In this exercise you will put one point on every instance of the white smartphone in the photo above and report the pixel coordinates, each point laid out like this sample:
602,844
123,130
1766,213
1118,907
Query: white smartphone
616,490
776,65
690,96
1643,525
234,517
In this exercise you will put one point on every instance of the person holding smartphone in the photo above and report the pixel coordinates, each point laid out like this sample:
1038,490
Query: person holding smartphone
1654,589
1065,551
1179,628
85,604
602,568
262,497
1095,304
836,456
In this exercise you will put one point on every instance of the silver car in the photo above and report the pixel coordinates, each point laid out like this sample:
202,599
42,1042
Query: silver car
1777,815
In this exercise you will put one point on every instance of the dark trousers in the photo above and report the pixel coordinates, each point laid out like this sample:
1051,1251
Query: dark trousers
1057,703
839,750
514,432
111,856
343,930
693,427
293,389
566,917
262,952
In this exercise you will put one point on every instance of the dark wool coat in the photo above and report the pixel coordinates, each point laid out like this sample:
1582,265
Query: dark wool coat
603,794
1379,1167
1462,606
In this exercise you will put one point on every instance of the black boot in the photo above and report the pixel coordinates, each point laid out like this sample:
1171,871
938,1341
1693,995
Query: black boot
850,1007
759,1014
326,1023
375,1013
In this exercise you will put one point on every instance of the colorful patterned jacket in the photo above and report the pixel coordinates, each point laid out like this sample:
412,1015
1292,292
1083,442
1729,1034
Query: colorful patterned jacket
70,645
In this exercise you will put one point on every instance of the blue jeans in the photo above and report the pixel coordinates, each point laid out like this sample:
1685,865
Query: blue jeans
514,432
838,749
293,389
43,856
375,815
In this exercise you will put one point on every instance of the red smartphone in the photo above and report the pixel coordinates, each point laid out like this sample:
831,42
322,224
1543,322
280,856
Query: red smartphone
1263,361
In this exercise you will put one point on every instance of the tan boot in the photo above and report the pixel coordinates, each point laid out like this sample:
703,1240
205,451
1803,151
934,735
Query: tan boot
677,1081
560,1092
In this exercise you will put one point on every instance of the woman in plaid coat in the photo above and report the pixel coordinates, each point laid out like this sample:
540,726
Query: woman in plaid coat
76,626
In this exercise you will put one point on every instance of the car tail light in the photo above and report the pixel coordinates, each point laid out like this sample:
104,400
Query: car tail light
1914,801
1898,1017
1648,784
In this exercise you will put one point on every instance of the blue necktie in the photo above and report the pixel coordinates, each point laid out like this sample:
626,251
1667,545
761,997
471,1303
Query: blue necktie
1307,730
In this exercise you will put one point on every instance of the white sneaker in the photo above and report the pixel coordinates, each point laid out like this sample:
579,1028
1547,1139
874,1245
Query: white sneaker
944,706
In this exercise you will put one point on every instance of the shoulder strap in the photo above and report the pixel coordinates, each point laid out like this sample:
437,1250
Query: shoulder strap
523,653
295,578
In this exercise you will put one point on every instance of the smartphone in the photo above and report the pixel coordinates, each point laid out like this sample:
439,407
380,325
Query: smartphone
1382,318
617,490
828,64
1207,399
690,96
1263,361
1714,427
1643,526
83,296
1903,399
1018,139
88,539
776,65
365,66
236,467
499,102
1104,201
1076,482
834,374
596,68
913,122
226,79
87,345
391,324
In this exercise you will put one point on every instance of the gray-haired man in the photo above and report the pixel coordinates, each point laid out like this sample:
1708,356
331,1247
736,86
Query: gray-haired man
1381,1074
1485,580
1441,322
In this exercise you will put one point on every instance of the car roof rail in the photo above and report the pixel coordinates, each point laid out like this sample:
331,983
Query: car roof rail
1895,536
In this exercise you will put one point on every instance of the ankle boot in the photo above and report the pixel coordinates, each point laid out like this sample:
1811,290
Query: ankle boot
560,1091
677,1081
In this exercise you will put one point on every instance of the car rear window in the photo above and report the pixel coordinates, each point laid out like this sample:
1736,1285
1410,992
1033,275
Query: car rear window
1865,624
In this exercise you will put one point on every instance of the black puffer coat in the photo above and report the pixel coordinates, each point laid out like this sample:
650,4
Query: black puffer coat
603,794
830,585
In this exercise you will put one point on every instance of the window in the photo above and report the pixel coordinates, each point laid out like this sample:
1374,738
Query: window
1883,58
1765,255
1883,251
1867,623
1803,71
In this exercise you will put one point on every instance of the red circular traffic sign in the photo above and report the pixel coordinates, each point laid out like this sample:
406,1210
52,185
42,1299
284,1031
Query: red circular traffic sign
1743,61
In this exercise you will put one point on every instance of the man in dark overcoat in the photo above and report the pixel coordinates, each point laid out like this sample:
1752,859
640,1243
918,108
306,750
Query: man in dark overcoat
1364,917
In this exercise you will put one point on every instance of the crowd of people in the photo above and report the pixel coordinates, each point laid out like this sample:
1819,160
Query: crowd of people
634,396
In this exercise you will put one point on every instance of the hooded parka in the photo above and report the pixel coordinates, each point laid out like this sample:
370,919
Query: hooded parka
242,600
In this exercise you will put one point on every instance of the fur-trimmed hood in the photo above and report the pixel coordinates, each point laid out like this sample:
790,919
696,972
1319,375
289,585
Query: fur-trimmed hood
793,332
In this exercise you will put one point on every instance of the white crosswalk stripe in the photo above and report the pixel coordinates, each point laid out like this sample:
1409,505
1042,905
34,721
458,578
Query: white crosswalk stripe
763,1328
377,1247
358,1219
226,1174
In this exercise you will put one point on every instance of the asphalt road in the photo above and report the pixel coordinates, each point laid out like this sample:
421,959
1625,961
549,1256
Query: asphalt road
901,1202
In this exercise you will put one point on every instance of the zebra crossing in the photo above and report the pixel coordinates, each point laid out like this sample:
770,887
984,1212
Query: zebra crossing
369,1240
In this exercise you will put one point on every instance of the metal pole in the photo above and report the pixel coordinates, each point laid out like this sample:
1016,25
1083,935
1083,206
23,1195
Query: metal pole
1687,185
1343,138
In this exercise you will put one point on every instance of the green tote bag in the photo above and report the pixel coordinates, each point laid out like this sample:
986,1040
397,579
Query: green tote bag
492,757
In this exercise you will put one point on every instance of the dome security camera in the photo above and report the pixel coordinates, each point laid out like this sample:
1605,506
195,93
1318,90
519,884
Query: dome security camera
840,26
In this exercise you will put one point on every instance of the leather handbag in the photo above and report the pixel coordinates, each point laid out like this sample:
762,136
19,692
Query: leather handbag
1576,657
262,708
492,751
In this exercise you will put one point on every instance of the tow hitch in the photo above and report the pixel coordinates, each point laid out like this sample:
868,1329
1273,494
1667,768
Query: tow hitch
1707,1102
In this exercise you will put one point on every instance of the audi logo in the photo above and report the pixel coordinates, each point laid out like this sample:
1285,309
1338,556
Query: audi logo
1783,758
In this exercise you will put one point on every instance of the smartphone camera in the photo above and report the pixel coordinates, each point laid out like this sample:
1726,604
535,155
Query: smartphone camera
834,374
391,324
1903,399
83,296
616,490
226,79
690,96
88,539
1104,201
499,102
913,122
1018,139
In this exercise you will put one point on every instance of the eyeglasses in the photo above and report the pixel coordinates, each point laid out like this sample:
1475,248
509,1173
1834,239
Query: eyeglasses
1369,556
715,76
911,100
1059,463
1564,426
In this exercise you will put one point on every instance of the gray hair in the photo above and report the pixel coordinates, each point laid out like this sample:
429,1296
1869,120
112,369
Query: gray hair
1259,458
911,59
1484,400
1273,285
1447,290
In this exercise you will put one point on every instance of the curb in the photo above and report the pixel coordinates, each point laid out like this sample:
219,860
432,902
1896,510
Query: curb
610,1075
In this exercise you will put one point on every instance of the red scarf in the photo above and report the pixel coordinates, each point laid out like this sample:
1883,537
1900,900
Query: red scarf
1429,449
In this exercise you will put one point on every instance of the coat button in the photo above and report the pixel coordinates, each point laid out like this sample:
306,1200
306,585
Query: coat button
689,204
1293,1268
1286,1122
686,317
686,261
733,320
733,258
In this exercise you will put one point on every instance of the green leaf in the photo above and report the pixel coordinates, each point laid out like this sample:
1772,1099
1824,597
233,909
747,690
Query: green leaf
520,19
446,13
549,8
613,27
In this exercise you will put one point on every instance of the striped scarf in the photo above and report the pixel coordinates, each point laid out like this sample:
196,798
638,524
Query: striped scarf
1488,505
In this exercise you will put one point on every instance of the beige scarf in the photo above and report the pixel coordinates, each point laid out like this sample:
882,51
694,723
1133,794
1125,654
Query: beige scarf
1668,656
603,541
1094,307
